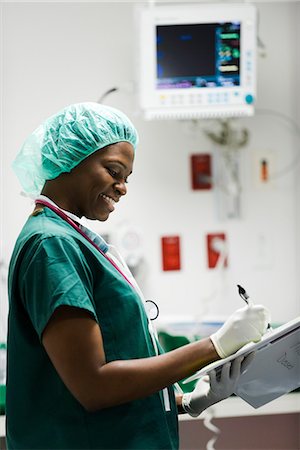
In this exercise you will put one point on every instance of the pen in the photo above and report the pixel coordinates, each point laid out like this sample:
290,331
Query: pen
243,294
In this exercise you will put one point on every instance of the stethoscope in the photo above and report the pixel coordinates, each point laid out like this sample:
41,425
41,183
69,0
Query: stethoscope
151,308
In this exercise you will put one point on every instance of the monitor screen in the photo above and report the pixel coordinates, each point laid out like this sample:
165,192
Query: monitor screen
197,61
198,55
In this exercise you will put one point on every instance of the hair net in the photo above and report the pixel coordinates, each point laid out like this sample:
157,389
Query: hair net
67,138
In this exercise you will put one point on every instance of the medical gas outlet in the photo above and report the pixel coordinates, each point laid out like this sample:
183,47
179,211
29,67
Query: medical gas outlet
217,252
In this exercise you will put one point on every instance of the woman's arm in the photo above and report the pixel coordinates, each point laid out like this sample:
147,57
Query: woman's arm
74,344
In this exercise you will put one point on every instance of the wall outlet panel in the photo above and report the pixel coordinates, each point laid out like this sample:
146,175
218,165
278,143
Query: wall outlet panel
201,173
170,246
213,254
264,166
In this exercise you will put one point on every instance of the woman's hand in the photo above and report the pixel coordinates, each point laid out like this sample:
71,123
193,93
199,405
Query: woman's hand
247,324
216,387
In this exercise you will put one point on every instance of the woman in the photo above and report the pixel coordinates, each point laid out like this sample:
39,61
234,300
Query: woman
84,368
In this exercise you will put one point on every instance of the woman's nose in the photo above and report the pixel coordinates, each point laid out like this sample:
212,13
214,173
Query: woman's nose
120,188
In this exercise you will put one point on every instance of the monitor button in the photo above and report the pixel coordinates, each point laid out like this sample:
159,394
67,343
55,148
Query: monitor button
249,99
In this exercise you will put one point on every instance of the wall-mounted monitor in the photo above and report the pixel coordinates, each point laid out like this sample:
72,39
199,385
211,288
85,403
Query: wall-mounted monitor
197,60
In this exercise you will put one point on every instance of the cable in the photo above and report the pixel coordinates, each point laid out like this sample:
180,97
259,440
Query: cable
260,45
126,86
221,247
106,93
288,119
207,422
293,164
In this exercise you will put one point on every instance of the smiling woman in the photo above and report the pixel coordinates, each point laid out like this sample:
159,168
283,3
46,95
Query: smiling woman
81,349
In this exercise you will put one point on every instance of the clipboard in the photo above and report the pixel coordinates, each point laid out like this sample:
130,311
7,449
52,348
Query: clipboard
275,369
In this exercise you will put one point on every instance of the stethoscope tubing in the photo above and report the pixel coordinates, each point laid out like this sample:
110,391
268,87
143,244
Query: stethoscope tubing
77,228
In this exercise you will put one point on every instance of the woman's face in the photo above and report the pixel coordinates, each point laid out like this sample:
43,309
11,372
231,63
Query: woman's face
99,181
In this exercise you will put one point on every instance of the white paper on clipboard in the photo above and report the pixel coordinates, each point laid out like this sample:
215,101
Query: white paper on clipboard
275,369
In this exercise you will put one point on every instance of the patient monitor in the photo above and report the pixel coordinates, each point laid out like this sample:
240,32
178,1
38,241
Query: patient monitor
197,60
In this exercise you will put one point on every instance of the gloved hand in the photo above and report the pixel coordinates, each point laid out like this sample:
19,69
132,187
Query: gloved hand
219,387
243,326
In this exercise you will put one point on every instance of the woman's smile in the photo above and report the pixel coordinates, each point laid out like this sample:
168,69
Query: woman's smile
109,201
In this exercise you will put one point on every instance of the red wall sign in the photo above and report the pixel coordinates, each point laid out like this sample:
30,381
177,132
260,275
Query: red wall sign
201,171
213,253
170,246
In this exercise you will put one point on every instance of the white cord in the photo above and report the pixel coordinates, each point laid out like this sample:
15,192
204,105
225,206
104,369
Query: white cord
208,416
295,128
221,247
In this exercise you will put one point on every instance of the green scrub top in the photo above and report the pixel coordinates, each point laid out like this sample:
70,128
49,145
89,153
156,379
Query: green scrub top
53,265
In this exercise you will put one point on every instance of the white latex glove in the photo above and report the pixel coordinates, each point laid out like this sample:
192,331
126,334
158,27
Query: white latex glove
220,386
245,325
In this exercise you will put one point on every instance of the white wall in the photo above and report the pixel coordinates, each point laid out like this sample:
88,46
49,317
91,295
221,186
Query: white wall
55,54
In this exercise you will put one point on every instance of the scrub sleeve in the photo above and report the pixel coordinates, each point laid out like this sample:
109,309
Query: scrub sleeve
53,265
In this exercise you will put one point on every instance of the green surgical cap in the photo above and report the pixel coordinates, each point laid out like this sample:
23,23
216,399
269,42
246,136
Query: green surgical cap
67,138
